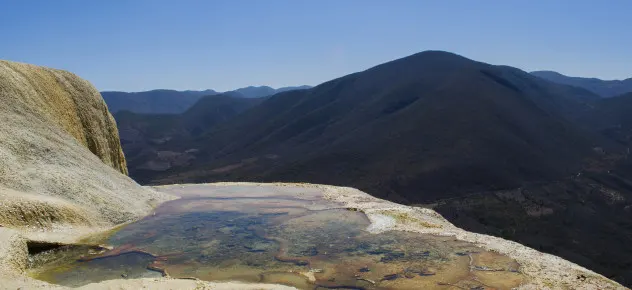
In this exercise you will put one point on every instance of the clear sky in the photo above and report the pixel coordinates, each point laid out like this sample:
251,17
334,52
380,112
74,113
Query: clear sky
134,45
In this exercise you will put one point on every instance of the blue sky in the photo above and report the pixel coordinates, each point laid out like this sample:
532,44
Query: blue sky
138,45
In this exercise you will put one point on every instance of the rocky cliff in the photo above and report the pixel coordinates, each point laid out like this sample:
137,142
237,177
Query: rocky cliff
66,101
61,162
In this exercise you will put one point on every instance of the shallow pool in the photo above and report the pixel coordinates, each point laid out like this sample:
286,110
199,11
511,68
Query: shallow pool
279,235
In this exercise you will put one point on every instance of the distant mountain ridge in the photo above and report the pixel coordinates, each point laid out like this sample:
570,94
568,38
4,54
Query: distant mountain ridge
264,91
397,105
175,102
494,149
604,88
154,101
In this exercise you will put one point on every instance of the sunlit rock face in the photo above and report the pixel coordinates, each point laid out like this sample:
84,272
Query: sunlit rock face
61,162
62,99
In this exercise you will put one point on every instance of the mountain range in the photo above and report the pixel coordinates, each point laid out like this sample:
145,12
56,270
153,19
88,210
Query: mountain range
441,122
494,149
63,183
143,135
264,91
176,102
604,88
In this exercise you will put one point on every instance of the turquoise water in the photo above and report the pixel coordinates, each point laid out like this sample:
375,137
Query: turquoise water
278,238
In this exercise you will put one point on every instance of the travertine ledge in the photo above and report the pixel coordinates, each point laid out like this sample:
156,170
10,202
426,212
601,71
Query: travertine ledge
543,270
61,162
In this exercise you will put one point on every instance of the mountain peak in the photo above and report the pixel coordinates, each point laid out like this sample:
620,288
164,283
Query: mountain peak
425,61
439,55
546,72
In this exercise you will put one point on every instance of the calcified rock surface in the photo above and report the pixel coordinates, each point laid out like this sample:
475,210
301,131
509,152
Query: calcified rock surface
543,270
63,173
61,164
61,99
60,155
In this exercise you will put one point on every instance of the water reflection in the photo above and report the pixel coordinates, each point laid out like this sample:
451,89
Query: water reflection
263,235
